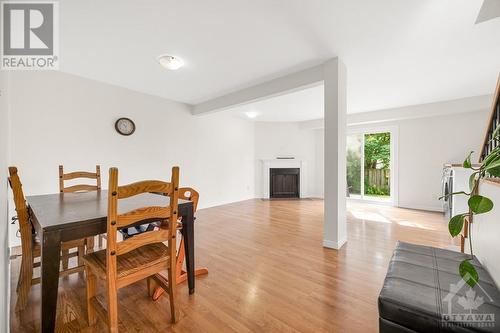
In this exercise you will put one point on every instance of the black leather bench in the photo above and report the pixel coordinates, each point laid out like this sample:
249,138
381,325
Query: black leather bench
423,292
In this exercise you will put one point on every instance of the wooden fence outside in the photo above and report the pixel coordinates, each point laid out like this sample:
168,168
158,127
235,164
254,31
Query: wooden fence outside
378,177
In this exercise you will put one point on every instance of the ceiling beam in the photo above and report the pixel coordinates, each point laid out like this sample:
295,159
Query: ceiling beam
282,85
312,124
445,108
489,11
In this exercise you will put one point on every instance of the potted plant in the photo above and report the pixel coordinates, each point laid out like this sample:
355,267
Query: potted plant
478,204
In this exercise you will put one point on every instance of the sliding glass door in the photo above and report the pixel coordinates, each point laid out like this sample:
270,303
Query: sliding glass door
369,165
354,155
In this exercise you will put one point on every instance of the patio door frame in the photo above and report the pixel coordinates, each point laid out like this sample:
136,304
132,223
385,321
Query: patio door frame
373,129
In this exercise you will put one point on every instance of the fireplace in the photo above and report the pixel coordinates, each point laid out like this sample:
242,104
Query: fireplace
275,163
284,183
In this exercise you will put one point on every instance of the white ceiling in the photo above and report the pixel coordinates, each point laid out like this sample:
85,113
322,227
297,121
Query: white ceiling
397,52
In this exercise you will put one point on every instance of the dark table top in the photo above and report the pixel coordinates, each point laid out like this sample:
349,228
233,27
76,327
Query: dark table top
62,210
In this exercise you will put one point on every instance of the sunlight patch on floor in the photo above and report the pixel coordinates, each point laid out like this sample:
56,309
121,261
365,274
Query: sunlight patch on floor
415,225
369,216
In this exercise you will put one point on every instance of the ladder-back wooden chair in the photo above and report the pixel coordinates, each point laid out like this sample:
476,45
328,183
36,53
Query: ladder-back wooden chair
140,257
30,247
81,188
190,194
78,175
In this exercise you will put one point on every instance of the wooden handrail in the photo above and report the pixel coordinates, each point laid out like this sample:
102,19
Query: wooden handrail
492,181
490,127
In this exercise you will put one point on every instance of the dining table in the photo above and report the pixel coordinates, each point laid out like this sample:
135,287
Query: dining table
64,217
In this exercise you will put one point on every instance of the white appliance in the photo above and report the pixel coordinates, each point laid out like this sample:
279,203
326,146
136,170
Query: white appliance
446,189
455,179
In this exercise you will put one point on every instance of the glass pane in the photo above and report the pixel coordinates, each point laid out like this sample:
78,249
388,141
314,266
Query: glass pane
354,144
377,152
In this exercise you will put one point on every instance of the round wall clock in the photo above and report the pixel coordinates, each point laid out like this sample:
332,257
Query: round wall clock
125,126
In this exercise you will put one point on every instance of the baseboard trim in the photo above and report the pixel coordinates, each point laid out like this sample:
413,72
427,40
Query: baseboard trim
334,245
421,207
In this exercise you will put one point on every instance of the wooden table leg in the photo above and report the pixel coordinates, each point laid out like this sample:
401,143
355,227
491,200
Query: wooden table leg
50,260
188,236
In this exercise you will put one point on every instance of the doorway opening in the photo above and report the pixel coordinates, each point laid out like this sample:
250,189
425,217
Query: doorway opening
370,161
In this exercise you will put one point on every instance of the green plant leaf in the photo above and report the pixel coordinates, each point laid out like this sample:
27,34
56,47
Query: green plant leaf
456,224
492,156
491,164
492,167
468,273
467,163
495,172
479,204
472,181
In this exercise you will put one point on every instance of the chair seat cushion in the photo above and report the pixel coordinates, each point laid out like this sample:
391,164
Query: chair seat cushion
423,288
130,262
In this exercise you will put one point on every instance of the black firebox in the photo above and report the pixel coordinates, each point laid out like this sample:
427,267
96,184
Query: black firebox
284,183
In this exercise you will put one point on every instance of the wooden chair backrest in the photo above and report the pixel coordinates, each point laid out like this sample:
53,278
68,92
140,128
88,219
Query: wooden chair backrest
166,232
25,227
190,194
79,174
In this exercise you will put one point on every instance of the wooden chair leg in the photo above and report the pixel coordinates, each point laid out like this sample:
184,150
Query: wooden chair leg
157,293
112,311
152,286
20,278
65,259
89,244
81,253
181,255
178,270
91,293
180,275
171,291
25,283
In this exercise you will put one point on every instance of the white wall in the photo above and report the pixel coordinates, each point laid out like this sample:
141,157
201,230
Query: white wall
273,139
4,152
319,171
485,231
59,118
425,144
429,136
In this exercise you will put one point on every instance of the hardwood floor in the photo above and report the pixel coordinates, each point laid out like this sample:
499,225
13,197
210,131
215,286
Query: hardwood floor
268,273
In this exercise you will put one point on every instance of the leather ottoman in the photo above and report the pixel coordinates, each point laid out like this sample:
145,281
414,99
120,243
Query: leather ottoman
423,292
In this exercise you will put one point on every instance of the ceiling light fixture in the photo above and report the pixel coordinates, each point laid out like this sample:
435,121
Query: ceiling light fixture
170,62
251,114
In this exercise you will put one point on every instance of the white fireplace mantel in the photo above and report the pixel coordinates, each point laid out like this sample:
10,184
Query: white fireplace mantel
267,164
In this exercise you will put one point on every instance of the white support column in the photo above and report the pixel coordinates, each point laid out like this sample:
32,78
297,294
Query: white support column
335,228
